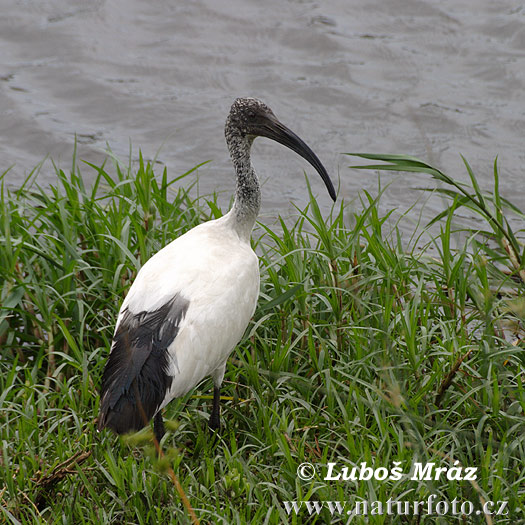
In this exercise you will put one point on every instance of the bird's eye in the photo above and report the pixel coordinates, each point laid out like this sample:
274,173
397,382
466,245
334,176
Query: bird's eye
251,114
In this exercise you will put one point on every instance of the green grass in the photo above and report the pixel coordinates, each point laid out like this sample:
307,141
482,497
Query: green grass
362,349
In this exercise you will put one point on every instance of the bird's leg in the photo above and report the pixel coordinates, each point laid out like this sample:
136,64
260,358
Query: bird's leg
215,417
158,426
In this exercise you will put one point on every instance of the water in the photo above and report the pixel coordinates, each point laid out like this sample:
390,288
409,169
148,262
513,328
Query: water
403,76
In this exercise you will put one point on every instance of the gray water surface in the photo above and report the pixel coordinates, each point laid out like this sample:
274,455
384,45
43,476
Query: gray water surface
431,79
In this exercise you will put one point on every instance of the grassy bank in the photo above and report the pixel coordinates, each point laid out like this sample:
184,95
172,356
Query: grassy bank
362,350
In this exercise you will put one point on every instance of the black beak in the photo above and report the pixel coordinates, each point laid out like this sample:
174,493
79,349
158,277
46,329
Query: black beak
274,130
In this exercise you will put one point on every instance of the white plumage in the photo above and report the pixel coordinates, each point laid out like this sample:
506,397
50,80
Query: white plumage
191,302
217,271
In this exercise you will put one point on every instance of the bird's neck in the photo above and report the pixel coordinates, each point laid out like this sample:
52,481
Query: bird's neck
248,192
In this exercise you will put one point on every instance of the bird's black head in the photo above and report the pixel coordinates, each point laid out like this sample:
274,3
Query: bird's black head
251,118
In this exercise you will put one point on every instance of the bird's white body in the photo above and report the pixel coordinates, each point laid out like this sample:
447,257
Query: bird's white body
217,271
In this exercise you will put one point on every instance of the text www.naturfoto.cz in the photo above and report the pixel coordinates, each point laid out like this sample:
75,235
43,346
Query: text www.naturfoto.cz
398,508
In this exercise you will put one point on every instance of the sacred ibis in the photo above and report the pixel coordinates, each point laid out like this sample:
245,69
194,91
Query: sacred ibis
191,302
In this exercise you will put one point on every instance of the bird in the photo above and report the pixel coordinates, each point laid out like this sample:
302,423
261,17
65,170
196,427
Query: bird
191,302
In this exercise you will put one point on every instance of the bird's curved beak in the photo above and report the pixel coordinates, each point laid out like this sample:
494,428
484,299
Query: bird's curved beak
275,130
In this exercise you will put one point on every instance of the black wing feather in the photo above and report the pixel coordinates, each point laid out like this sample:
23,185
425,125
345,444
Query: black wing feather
135,380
